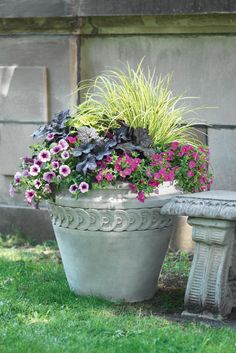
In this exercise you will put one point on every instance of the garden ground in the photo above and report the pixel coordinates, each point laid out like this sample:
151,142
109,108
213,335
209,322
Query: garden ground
38,313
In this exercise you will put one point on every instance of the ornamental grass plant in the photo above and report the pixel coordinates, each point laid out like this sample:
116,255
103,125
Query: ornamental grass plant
129,128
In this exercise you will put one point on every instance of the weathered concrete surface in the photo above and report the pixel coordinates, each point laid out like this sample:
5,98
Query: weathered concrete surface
211,288
222,145
14,142
57,54
30,223
23,94
202,66
53,8
182,236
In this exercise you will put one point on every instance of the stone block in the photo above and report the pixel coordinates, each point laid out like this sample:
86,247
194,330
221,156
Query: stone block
222,145
202,66
23,93
56,53
14,142
31,224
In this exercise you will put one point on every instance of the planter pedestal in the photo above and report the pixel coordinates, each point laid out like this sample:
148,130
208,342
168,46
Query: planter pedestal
112,246
211,288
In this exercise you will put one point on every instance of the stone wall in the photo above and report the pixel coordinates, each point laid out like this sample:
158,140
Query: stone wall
45,50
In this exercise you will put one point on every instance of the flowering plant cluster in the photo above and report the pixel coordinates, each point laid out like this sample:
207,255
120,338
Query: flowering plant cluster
79,160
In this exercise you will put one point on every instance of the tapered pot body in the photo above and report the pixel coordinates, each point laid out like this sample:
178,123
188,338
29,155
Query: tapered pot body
112,245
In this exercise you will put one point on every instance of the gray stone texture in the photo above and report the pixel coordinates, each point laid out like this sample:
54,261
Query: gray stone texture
55,8
30,223
222,144
23,94
202,66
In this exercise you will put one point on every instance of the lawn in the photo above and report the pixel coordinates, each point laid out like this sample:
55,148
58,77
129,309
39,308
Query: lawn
38,313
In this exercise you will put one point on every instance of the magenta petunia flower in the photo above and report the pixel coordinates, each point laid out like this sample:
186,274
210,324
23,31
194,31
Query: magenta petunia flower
153,183
141,196
65,155
50,136
84,187
175,145
48,176
17,178
192,164
64,145
64,170
108,159
56,149
190,173
55,164
71,139
133,187
73,188
29,195
37,183
44,156
99,177
34,170
109,176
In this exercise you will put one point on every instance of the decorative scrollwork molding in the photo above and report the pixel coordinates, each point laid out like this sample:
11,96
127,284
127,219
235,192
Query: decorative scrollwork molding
108,220
200,207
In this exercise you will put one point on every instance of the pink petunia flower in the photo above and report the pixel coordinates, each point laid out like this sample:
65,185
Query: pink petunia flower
37,183
44,156
56,149
50,136
34,170
17,178
99,176
48,176
29,195
65,155
64,145
175,145
109,176
108,159
55,164
141,196
71,139
64,170
190,173
84,187
133,187
153,183
192,164
73,188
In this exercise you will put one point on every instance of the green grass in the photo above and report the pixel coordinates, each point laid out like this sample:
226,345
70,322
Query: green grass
38,313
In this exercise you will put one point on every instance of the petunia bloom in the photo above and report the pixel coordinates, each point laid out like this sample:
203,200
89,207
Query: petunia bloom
64,145
65,155
34,170
17,178
44,156
37,183
84,187
29,195
48,176
64,170
73,188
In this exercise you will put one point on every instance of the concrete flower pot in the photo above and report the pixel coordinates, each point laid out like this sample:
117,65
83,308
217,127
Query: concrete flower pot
112,246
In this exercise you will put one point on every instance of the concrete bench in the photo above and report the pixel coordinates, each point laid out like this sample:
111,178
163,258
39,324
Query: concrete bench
211,288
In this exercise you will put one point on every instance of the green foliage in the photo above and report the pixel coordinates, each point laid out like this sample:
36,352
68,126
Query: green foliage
141,101
39,314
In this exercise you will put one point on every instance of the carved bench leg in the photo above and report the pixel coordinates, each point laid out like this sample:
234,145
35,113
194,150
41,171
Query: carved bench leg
211,288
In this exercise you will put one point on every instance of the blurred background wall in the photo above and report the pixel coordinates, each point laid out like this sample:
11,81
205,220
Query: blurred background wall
46,47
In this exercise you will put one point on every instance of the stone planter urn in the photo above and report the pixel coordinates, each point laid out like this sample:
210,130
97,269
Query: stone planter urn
112,245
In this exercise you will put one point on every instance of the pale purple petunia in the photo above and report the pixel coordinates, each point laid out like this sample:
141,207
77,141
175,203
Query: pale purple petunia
56,149
64,170
37,183
55,164
34,170
64,145
47,188
65,155
48,176
50,136
17,177
29,195
73,188
44,156
25,173
38,162
84,187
